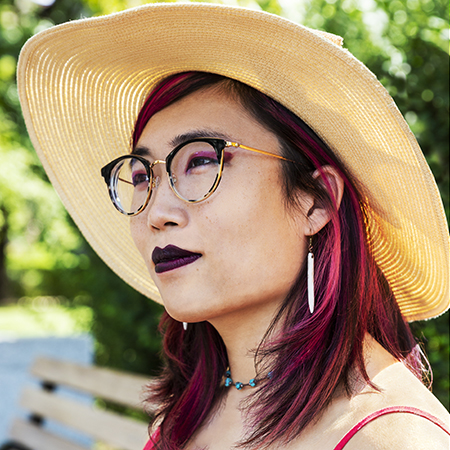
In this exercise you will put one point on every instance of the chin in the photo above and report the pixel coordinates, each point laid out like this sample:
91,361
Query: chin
181,310
191,311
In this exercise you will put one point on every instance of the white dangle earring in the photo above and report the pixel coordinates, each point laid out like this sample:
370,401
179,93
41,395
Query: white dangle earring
185,324
311,276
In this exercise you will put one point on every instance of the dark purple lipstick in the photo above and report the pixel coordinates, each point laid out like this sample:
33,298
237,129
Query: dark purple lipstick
172,257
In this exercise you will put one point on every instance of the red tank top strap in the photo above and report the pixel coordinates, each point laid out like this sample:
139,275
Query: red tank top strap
390,410
153,439
358,426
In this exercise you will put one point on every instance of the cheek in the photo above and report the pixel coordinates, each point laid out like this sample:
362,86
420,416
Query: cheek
258,240
137,229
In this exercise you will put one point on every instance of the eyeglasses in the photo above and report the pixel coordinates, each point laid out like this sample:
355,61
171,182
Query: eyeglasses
194,171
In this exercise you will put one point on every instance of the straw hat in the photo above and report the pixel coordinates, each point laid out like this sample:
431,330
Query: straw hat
81,86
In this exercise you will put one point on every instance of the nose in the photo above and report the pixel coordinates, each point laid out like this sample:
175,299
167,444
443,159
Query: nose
164,209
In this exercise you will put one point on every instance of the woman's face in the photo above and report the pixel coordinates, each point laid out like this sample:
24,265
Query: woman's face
251,246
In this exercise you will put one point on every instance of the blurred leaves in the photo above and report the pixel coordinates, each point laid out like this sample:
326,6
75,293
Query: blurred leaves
404,42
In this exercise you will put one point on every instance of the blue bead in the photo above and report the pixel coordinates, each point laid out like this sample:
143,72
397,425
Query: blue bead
228,382
252,382
270,375
239,386
228,374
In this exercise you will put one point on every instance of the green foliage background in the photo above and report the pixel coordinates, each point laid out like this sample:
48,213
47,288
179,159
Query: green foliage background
404,42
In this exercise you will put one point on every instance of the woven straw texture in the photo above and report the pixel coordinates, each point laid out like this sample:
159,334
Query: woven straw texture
81,85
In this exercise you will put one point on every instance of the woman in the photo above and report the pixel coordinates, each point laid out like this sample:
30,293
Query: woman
296,231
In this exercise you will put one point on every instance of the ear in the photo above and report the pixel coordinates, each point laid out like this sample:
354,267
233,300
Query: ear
318,216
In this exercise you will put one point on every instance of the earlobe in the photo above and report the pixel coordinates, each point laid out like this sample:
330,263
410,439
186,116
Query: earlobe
318,214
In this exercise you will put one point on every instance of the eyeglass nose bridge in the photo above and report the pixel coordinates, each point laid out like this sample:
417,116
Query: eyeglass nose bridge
158,161
155,180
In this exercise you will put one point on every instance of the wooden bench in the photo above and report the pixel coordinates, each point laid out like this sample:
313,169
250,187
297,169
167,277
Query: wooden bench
112,429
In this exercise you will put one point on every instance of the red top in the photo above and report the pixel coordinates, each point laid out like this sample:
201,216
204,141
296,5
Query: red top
390,410
153,439
359,425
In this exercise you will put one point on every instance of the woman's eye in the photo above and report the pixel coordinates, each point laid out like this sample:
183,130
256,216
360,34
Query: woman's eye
198,161
138,178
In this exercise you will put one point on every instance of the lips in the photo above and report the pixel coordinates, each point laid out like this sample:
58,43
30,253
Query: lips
172,257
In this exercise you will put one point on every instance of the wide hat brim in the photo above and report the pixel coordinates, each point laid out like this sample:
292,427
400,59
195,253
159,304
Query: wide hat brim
81,85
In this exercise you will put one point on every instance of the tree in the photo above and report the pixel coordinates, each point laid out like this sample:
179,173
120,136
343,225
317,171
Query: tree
43,253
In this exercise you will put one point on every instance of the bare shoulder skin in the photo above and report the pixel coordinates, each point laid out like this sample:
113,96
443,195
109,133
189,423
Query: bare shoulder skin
397,387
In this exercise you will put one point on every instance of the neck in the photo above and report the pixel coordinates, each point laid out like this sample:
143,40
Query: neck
242,333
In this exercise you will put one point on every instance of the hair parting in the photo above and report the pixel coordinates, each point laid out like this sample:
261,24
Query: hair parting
313,355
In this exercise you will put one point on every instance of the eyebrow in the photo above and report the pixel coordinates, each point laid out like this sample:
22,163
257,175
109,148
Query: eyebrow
195,134
179,139
141,151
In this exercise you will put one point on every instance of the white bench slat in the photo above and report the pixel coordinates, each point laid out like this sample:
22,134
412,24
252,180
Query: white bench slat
125,389
38,439
121,432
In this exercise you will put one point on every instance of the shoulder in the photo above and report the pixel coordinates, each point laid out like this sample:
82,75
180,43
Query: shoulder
399,387
396,387
400,431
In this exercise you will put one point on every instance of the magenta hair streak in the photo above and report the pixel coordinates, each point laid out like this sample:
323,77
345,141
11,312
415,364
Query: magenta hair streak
313,354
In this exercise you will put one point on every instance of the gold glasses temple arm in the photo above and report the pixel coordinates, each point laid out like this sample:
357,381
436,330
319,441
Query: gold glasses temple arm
235,144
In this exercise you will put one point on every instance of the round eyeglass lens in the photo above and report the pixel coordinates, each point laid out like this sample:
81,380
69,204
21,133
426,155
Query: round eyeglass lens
194,170
130,185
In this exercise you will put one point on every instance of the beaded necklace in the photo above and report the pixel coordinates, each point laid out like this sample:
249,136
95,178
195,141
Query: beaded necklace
238,385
